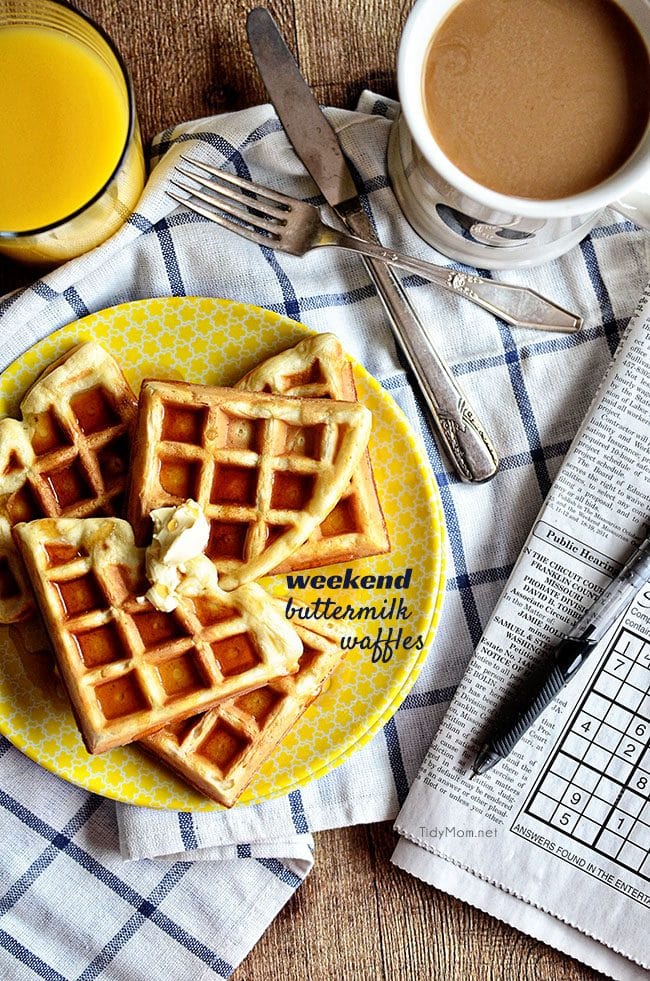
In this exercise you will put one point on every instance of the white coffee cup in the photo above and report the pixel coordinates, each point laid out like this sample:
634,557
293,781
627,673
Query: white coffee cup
472,223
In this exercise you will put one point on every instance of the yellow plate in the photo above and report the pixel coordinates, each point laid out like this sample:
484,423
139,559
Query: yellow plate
216,342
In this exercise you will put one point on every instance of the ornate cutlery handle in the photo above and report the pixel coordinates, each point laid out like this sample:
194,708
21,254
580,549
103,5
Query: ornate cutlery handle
461,432
517,305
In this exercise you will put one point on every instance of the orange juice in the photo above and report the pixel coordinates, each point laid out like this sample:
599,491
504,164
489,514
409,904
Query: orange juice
71,161
64,122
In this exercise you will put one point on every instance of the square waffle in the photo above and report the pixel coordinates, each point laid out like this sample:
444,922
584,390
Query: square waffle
68,455
128,668
265,469
317,367
219,752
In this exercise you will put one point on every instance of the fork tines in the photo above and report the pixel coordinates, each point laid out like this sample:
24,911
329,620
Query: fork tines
230,195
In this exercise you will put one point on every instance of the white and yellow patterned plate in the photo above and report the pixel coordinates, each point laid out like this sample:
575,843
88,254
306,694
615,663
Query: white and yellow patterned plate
215,342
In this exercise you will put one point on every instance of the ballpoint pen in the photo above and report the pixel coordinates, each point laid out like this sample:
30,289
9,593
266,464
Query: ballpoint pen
567,657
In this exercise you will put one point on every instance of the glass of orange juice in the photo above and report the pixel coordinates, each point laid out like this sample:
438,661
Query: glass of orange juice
71,159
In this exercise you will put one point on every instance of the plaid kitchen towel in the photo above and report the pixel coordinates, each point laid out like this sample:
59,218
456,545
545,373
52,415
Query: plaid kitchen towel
93,889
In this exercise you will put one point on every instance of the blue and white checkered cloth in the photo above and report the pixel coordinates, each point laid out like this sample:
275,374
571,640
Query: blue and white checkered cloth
90,889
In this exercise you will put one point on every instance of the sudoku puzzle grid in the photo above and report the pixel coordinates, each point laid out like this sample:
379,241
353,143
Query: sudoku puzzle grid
596,788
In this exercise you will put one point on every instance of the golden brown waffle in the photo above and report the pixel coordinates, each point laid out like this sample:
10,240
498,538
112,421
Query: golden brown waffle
220,751
317,367
67,456
128,668
265,469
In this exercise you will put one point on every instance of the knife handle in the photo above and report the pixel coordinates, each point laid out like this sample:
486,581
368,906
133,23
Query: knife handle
461,432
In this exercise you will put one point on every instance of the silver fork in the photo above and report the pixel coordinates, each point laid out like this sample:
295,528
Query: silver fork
278,221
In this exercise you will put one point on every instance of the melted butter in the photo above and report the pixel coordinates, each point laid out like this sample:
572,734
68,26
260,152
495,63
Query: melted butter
179,538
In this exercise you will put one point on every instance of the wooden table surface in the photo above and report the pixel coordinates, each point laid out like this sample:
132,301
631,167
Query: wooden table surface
356,917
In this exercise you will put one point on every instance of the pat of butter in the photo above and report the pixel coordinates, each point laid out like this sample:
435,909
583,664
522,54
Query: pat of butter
180,535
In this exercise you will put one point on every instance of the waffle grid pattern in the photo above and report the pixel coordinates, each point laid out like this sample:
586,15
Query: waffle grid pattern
264,469
77,471
318,368
67,457
129,668
220,751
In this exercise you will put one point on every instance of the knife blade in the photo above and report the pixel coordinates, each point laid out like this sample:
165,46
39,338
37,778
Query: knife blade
317,145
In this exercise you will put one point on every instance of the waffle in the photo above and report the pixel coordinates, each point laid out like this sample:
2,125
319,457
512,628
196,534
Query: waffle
318,368
265,469
68,455
220,751
128,668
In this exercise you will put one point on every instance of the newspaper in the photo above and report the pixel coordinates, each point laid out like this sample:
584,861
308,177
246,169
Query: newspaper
555,839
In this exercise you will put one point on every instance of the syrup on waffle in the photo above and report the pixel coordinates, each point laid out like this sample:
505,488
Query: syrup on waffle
219,752
128,668
67,456
317,367
265,469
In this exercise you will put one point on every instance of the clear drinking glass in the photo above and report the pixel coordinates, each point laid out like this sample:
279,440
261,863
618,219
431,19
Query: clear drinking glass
71,160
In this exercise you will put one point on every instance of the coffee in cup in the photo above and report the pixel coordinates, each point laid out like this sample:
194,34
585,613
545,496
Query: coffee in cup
537,98
521,120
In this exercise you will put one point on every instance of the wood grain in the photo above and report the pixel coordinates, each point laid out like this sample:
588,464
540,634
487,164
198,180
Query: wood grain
357,917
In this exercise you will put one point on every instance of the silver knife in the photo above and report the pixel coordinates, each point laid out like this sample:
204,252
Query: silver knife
317,145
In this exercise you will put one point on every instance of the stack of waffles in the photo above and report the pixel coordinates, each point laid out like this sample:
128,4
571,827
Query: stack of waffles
279,467
67,456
